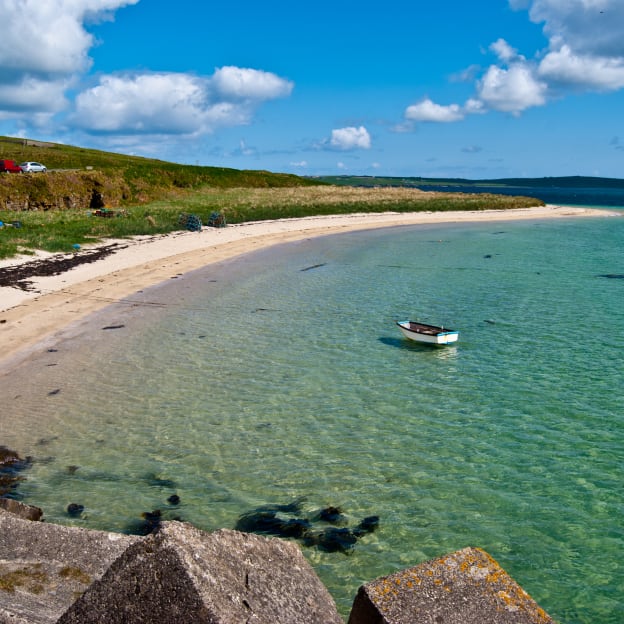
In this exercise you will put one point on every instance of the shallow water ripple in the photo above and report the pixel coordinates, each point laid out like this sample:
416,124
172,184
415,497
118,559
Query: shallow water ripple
265,384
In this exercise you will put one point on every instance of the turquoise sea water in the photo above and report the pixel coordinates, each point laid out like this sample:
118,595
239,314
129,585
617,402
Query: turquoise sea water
281,376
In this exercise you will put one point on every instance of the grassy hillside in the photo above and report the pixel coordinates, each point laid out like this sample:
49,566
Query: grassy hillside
78,177
61,209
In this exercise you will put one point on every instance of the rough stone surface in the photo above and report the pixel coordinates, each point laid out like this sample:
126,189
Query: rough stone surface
465,587
26,512
182,574
45,567
51,573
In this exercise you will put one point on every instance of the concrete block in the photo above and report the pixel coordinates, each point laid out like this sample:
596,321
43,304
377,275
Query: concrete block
182,574
45,567
26,512
465,587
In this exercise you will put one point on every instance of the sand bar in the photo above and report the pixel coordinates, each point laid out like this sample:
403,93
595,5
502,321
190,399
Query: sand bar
54,302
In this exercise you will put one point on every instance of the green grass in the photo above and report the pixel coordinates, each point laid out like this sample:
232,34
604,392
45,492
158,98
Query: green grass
60,230
56,210
75,174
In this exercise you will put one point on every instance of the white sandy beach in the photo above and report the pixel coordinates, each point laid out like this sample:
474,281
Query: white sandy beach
27,317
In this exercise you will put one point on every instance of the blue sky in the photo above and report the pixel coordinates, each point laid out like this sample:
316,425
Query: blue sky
482,89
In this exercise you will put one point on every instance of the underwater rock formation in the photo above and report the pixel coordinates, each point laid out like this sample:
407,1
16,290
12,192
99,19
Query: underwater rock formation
11,464
284,521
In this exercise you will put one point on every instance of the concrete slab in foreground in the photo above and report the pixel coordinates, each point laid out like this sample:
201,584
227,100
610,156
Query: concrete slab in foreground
54,574
182,574
465,587
45,567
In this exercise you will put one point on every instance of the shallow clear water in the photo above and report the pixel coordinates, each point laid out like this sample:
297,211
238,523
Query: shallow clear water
281,375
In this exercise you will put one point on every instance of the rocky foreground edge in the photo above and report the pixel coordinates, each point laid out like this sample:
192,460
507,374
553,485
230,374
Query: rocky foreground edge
51,573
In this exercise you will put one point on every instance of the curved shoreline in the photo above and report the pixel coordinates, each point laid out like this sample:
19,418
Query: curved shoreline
29,317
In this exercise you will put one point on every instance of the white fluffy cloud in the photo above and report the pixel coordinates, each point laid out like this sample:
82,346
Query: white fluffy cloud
564,68
32,95
350,138
426,110
174,103
585,53
503,50
511,90
236,83
148,103
44,52
43,46
586,47
592,27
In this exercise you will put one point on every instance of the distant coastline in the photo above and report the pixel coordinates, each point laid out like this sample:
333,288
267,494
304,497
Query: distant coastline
566,191
570,182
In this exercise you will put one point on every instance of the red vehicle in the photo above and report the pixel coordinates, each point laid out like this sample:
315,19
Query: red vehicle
9,166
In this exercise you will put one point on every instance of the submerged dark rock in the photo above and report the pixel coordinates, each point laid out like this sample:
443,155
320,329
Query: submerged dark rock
332,540
273,520
295,527
368,525
8,457
11,465
267,522
149,523
333,515
75,509
152,520
154,481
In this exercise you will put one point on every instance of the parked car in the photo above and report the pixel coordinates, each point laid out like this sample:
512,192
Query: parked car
9,166
32,167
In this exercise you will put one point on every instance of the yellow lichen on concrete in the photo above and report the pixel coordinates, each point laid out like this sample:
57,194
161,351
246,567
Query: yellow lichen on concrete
28,578
75,574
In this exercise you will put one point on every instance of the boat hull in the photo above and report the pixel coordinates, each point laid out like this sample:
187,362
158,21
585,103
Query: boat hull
428,334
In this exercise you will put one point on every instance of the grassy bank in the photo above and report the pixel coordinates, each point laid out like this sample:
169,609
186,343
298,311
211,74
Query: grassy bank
60,230
61,209
79,178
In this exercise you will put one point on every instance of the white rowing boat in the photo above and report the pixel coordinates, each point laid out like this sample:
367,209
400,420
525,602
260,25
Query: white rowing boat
428,334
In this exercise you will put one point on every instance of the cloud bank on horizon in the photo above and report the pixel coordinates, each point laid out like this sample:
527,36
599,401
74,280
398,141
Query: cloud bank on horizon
51,88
